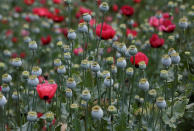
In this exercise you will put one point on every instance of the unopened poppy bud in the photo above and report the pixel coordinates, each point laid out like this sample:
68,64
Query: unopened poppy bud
97,112
121,62
32,45
15,95
49,116
142,65
86,95
25,74
32,116
71,83
160,102
87,17
61,69
57,62
144,84
164,74
67,55
112,109
6,78
71,35
17,62
95,67
36,71
82,27
33,80
68,93
175,58
129,71
3,100
108,82
109,60
104,7
105,74
166,60
5,88
152,93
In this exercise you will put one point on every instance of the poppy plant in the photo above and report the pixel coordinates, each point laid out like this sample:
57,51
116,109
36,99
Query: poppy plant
156,42
46,91
139,57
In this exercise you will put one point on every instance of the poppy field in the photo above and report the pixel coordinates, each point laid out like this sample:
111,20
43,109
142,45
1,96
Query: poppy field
96,65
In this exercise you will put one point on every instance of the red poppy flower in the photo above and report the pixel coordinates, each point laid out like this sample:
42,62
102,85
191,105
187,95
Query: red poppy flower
127,10
167,26
42,12
156,42
46,40
136,1
22,55
133,32
57,1
81,11
78,51
14,39
14,55
138,58
57,18
46,91
28,2
18,9
107,31
115,7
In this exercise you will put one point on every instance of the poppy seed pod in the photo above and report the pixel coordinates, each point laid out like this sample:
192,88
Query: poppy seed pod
95,67
183,23
67,55
25,74
36,71
113,69
66,48
112,109
61,69
3,100
57,62
166,60
32,45
17,62
171,51
6,78
97,112
142,65
132,50
71,35
68,93
108,82
84,64
105,74
160,102
87,17
164,74
49,116
33,80
71,83
104,7
5,88
59,43
86,95
144,84
83,103
175,58
82,27
152,93
32,116
121,62
15,95
129,71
